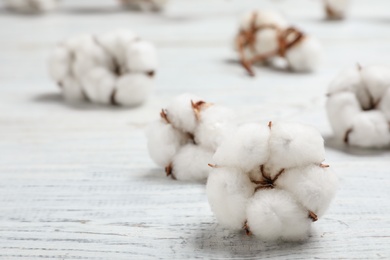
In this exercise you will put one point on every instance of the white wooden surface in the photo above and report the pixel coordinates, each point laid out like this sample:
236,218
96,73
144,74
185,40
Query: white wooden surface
76,182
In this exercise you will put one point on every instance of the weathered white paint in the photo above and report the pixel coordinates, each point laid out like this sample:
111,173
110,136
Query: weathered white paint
76,181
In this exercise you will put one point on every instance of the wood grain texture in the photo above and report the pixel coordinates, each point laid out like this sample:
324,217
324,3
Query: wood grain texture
76,181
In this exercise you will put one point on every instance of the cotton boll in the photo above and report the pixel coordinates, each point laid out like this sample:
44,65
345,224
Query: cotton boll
306,55
181,114
369,129
273,214
99,67
191,163
228,191
163,142
132,89
377,80
313,186
342,108
215,125
336,9
293,145
247,148
142,57
31,6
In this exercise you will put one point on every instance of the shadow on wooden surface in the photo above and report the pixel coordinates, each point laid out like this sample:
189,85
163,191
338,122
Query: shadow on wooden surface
334,144
56,98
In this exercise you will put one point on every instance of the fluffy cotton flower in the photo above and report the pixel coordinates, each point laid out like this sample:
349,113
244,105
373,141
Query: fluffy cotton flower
31,6
113,68
184,139
336,9
270,180
145,5
264,35
358,106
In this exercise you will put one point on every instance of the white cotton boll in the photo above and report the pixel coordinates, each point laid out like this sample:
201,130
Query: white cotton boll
98,64
306,55
273,214
384,105
215,125
191,163
31,6
247,148
142,57
228,191
336,9
293,145
98,84
145,5
163,142
369,129
133,89
377,80
342,108
313,186
181,113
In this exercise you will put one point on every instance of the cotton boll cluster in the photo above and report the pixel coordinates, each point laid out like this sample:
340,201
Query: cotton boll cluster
145,5
264,35
336,9
271,180
31,6
112,68
358,106
186,136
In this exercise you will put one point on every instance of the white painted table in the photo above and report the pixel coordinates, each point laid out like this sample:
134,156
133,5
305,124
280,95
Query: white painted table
76,182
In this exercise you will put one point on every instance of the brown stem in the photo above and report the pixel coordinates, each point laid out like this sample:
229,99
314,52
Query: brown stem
313,216
346,136
246,228
164,115
169,171
322,165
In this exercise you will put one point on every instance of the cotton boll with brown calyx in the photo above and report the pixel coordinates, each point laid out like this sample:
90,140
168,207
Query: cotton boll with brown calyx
313,186
164,141
358,106
293,145
214,125
31,6
246,149
228,191
273,214
305,55
190,163
336,9
369,129
182,114
342,108
145,5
